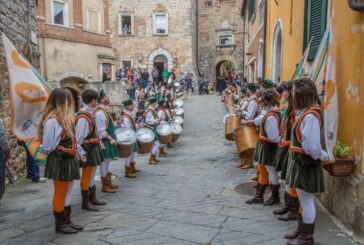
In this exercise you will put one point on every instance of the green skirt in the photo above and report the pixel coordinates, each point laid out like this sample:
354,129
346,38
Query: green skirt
94,157
264,153
156,138
281,160
111,151
309,178
61,168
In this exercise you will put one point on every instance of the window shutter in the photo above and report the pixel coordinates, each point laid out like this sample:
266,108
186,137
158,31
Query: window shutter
251,9
314,24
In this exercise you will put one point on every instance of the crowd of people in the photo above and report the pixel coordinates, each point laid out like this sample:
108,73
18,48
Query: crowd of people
288,121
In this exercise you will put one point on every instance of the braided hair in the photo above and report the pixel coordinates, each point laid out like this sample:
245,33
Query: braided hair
304,94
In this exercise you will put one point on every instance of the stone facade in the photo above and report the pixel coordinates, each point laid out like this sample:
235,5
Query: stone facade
18,22
215,20
157,31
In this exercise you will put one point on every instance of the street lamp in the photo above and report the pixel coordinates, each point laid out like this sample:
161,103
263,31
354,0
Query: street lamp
234,26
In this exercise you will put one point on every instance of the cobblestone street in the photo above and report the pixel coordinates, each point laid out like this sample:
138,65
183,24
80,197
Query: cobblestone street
188,198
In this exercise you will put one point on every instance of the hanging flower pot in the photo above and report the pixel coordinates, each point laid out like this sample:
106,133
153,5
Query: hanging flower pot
344,163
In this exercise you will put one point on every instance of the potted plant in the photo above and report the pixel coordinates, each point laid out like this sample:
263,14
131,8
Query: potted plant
344,161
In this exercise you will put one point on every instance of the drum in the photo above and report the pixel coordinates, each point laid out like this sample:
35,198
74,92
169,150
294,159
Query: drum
179,120
176,131
164,131
246,138
232,122
179,112
178,103
126,138
145,137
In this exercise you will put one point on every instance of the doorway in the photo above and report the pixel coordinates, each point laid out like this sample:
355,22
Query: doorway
161,63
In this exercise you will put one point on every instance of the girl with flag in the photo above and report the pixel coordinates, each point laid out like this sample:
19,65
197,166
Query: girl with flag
58,141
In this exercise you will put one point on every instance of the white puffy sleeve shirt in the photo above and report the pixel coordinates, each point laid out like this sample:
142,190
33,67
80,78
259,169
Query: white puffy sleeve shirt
82,130
149,119
101,121
251,110
51,135
161,115
272,129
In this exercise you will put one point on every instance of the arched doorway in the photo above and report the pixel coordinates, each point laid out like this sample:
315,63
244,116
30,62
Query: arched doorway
160,55
75,96
224,67
76,83
276,67
161,63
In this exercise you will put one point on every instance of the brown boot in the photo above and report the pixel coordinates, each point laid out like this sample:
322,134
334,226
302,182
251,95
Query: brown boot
105,185
153,160
162,153
135,170
306,236
293,210
242,163
68,219
86,204
169,146
129,172
93,199
296,233
274,198
61,223
248,164
109,175
259,195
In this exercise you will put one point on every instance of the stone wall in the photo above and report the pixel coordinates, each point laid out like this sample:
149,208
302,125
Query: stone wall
14,23
215,20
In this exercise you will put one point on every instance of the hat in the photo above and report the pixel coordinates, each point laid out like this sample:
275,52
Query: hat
161,101
243,90
267,84
101,95
251,86
127,102
152,100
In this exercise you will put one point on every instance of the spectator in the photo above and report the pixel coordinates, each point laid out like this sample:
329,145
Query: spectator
32,166
106,76
146,78
165,75
118,75
155,75
123,74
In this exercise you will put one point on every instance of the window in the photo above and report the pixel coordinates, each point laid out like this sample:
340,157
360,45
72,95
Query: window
209,3
315,24
59,13
126,24
160,24
106,72
226,40
93,21
126,64
251,9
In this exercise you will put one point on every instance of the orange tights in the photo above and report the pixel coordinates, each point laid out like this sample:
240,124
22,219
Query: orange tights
263,175
86,177
293,192
60,192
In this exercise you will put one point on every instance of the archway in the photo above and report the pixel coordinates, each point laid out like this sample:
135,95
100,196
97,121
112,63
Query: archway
75,96
160,52
161,63
276,63
76,83
224,67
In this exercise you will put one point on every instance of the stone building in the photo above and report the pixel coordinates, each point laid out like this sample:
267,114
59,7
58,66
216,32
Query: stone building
74,42
153,33
253,13
220,37
18,22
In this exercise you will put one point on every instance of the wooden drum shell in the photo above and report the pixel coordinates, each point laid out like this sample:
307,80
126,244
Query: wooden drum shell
125,150
145,148
164,140
231,123
246,138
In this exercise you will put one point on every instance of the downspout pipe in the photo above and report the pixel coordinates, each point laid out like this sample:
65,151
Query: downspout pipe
197,43
355,5
265,38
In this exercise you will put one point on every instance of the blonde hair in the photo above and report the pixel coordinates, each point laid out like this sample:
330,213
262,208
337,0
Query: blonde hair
59,105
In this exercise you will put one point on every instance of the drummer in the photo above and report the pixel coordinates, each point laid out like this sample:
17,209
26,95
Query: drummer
168,110
249,113
152,121
106,129
163,118
128,120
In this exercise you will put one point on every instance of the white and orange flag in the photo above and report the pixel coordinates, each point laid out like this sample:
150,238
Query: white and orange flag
323,74
28,97
304,65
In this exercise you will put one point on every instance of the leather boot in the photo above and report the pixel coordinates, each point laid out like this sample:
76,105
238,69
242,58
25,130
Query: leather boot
248,164
274,198
285,209
153,160
306,236
105,185
129,172
162,153
68,219
109,175
93,198
242,163
296,233
135,170
61,224
86,204
170,146
293,210
259,195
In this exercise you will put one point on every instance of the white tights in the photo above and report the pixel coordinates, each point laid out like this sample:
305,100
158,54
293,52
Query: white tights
92,177
104,167
272,175
155,148
68,198
307,201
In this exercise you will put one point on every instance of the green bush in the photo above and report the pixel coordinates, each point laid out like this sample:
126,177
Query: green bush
342,150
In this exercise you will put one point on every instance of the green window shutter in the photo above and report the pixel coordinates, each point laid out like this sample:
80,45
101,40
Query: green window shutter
314,24
251,9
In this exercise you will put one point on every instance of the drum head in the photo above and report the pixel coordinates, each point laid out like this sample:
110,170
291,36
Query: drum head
176,128
125,136
178,120
227,116
164,129
178,103
178,111
176,84
145,135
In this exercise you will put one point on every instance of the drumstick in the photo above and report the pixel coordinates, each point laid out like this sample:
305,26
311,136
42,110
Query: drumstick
142,133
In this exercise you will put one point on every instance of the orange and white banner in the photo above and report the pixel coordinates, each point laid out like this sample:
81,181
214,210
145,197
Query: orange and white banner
323,74
28,97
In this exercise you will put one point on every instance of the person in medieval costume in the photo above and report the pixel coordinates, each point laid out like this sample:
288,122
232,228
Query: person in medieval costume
221,84
106,130
152,121
163,118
